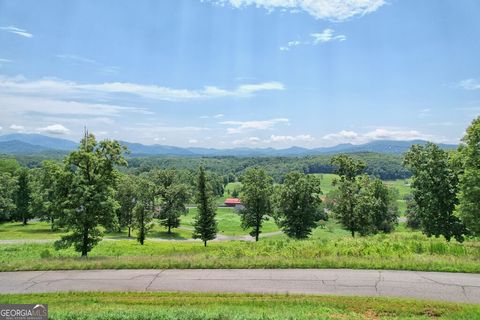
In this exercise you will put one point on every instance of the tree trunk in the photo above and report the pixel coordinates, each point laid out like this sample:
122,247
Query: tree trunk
85,243
51,222
24,221
205,243
169,229
353,234
129,235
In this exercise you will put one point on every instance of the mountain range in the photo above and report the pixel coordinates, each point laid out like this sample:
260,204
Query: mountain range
32,144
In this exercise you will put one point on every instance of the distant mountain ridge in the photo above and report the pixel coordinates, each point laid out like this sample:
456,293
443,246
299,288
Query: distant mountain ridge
31,144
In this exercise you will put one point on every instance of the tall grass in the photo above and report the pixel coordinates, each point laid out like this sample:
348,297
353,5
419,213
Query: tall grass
402,250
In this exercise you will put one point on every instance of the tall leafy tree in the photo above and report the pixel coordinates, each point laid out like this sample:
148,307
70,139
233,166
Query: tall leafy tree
205,225
345,206
174,195
91,198
376,208
8,184
49,189
469,196
298,203
23,196
127,199
435,185
257,194
144,207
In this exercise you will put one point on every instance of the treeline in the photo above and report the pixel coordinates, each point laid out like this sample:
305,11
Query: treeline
383,166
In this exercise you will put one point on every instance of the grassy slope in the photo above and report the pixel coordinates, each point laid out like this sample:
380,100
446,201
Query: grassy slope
327,248
191,306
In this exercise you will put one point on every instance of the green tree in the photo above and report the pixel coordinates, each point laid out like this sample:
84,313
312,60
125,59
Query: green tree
205,225
298,202
257,189
174,195
10,166
435,185
23,197
346,201
376,209
8,184
235,193
49,189
127,199
469,196
91,198
144,207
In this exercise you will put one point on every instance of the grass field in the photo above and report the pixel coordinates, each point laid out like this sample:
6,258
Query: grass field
327,248
204,306
228,222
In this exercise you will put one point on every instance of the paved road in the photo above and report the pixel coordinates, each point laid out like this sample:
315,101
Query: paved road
458,287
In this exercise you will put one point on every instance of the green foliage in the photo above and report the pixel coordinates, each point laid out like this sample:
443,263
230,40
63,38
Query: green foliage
376,207
298,202
90,180
469,196
8,165
347,167
362,204
413,218
8,185
235,193
174,194
144,207
48,191
257,193
205,225
435,184
22,196
126,196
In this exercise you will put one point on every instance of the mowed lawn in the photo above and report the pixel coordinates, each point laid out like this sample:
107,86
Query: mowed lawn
207,306
229,223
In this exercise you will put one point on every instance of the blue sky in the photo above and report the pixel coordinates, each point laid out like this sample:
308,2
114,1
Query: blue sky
236,73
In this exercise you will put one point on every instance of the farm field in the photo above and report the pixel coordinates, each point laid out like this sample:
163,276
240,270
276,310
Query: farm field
205,306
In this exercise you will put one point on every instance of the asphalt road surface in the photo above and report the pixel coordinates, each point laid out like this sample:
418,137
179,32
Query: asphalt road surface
459,287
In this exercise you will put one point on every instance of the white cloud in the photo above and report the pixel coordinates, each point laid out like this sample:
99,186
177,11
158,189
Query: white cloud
274,139
1,128
75,58
248,141
17,127
216,116
54,129
17,31
334,10
301,137
70,90
327,35
346,136
193,141
424,113
242,126
470,84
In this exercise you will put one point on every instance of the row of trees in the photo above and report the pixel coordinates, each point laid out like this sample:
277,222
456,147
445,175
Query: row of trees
446,187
